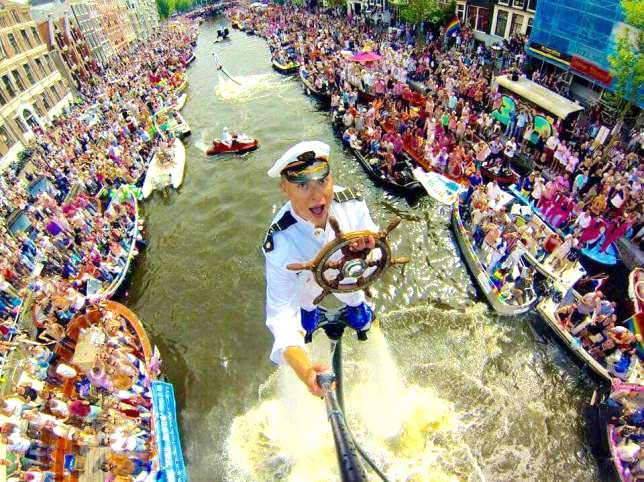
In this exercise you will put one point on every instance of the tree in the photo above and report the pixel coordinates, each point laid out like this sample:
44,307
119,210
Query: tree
627,63
417,11
165,8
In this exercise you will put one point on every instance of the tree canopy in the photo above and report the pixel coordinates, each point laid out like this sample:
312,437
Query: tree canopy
627,63
417,11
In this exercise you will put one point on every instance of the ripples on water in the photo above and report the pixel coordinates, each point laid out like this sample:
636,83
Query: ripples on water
450,392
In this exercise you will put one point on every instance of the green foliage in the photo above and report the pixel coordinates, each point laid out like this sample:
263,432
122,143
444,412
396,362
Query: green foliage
634,10
627,63
299,3
417,11
183,5
165,8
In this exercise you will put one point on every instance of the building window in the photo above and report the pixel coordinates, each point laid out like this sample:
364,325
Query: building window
518,4
18,79
29,73
3,99
21,123
41,67
54,94
8,85
532,5
460,12
14,44
517,24
31,119
504,2
478,18
3,50
49,63
528,30
5,137
16,16
45,101
34,32
501,23
25,37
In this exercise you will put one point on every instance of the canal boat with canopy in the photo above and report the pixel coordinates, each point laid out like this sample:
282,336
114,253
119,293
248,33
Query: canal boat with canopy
170,120
544,105
499,297
165,169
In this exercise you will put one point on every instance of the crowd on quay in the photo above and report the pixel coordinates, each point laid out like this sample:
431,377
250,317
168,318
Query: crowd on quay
68,229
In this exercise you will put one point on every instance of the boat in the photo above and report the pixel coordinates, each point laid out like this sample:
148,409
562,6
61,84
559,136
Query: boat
191,59
406,186
439,187
497,299
491,172
323,97
250,31
169,119
286,69
163,172
222,34
636,289
85,335
601,417
236,147
547,308
609,257
181,101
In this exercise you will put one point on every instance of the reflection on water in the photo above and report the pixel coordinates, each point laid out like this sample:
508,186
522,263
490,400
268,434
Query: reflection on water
450,392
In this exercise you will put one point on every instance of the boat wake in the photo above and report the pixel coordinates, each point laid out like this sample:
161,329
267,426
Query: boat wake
203,143
248,87
408,430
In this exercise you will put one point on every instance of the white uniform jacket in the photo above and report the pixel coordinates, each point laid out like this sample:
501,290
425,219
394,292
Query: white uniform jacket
291,239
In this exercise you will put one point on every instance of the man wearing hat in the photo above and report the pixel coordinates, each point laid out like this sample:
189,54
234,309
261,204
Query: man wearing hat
298,232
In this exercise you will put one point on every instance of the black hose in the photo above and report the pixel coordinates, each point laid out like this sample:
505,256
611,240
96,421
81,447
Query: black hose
337,369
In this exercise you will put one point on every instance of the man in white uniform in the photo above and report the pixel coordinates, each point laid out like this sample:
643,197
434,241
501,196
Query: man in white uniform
298,232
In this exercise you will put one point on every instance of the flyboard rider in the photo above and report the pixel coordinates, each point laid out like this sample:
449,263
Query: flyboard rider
298,232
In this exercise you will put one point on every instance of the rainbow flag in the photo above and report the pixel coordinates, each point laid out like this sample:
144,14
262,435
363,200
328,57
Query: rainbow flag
636,324
453,27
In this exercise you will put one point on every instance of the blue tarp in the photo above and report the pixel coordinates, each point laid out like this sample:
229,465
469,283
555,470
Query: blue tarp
167,427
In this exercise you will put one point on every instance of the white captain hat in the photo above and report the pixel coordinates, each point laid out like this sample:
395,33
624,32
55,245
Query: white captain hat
305,161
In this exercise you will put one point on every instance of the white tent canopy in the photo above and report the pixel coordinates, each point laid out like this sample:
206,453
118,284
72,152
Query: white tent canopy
539,95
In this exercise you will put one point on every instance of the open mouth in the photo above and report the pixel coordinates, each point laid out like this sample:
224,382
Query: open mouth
317,210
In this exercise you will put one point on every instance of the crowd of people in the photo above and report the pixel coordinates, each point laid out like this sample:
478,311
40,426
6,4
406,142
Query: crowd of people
68,230
583,173
626,418
108,406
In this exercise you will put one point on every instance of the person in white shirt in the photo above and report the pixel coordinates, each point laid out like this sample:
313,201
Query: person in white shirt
298,232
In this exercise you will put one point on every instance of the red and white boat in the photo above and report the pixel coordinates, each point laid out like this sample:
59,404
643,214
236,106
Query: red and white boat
238,146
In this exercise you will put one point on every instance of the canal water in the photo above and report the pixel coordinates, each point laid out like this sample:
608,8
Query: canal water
445,390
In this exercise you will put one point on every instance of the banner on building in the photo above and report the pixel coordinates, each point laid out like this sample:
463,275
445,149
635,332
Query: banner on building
550,53
591,70
167,432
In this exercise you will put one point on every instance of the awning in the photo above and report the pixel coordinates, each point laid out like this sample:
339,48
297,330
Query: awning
541,96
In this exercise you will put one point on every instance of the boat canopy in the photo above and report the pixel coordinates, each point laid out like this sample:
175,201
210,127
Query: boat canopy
539,95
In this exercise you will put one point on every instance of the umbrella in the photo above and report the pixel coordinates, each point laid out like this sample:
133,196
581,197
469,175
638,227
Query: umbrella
365,57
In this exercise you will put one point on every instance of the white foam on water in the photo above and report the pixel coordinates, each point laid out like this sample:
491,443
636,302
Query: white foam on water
247,87
409,431
203,143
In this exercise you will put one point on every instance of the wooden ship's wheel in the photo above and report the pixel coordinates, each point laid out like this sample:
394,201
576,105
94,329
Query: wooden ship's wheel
353,270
